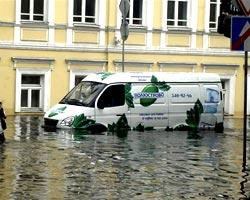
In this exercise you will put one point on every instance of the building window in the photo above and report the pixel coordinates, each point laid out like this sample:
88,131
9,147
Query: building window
31,91
84,11
33,10
134,15
214,13
177,13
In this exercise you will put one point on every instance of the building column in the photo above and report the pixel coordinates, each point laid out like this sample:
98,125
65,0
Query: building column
51,21
70,23
102,20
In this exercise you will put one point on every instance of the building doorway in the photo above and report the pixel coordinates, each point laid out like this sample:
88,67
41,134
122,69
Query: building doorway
226,95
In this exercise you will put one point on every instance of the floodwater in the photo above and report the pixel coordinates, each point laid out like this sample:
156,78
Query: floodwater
35,164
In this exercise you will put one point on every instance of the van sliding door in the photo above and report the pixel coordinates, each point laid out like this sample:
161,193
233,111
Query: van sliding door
150,108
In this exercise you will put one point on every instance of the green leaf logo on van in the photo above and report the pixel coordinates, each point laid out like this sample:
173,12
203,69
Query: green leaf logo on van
152,90
162,85
82,122
57,111
128,96
105,74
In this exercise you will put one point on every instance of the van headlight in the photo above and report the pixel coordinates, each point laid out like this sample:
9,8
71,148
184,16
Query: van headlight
67,121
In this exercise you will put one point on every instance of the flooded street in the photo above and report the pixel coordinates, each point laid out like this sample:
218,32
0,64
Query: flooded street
35,164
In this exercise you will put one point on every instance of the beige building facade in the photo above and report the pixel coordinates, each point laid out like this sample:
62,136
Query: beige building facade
48,46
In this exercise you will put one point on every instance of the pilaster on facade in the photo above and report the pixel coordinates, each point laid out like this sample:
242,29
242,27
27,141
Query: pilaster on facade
51,22
206,25
163,24
102,19
149,7
17,22
194,22
70,24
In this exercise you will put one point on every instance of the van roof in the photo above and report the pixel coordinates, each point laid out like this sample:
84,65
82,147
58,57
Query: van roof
120,77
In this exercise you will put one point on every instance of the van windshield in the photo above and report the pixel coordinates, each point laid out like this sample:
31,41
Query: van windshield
84,94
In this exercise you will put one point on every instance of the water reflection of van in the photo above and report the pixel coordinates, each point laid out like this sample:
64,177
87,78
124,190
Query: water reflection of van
158,100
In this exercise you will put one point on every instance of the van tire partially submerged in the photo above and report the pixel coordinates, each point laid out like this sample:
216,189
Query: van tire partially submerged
96,128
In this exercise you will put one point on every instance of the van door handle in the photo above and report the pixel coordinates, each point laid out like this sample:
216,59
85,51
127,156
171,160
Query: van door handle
119,115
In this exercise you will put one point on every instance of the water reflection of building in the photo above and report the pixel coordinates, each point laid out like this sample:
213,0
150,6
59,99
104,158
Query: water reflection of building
48,45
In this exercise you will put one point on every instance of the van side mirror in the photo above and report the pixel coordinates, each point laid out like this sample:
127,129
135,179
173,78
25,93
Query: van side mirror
100,104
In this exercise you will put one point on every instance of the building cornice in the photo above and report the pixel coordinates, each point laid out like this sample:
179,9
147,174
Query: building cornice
128,49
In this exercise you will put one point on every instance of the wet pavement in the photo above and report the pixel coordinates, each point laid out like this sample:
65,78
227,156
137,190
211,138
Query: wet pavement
35,164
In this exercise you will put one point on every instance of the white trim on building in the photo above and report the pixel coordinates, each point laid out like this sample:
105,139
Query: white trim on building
46,85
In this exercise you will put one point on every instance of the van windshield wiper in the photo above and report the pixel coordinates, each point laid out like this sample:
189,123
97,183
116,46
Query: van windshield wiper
74,102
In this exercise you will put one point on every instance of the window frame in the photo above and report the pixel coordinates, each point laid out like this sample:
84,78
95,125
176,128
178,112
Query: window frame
217,12
130,17
30,88
175,20
31,13
83,13
45,84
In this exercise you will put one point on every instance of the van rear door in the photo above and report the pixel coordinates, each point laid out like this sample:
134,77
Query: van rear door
213,105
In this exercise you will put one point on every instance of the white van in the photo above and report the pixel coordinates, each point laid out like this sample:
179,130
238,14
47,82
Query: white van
157,100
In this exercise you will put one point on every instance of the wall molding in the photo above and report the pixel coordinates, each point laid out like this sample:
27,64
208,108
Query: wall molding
32,60
101,63
219,65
